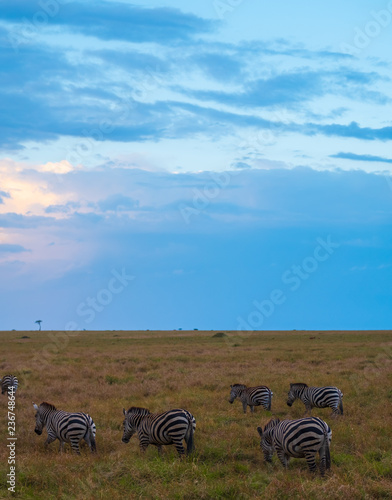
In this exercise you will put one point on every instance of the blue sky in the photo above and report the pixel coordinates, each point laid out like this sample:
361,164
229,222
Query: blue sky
224,165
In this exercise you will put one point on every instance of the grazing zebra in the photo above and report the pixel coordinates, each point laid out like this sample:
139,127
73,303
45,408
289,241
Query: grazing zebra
301,438
64,426
252,396
170,427
316,397
8,381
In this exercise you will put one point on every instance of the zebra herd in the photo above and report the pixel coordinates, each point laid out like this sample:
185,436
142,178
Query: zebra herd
301,438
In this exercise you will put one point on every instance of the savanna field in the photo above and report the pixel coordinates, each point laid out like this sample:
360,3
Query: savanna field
103,372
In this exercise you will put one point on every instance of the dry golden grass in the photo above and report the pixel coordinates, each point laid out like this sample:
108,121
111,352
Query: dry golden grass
102,372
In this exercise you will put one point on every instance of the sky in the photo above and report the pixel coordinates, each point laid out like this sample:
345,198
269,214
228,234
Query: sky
220,164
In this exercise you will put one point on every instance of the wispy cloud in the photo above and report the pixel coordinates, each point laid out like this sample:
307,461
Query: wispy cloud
111,20
356,157
9,248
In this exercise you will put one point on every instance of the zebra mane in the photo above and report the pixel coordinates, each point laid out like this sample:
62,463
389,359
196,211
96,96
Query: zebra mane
47,406
138,410
271,423
298,385
238,385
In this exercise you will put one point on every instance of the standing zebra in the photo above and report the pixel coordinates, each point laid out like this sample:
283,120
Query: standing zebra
170,427
252,396
316,397
301,438
8,381
64,426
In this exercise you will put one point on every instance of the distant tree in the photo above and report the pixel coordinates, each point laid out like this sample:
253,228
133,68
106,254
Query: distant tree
39,321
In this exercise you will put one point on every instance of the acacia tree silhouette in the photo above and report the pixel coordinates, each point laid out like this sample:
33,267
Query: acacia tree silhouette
39,321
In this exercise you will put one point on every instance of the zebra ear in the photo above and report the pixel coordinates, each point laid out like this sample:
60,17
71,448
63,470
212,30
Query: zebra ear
35,406
260,431
231,387
125,413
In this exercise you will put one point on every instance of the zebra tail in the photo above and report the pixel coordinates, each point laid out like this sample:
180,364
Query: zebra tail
190,446
270,400
91,438
341,403
327,452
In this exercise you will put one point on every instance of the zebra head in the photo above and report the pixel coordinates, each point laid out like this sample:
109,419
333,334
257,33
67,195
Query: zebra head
39,424
132,419
266,436
41,416
236,390
295,392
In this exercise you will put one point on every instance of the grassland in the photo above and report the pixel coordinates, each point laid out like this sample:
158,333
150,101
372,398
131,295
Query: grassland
102,372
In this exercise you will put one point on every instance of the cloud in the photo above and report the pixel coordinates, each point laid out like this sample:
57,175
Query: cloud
299,86
353,130
62,209
241,165
356,157
3,194
107,21
60,167
117,202
13,220
9,248
263,221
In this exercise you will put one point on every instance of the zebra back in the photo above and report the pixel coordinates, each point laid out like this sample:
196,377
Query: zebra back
8,381
251,396
300,438
65,426
316,397
169,427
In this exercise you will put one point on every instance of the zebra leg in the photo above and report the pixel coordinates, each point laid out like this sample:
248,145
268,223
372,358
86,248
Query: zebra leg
61,447
252,408
75,446
179,447
283,457
308,410
159,447
143,446
311,461
50,439
244,405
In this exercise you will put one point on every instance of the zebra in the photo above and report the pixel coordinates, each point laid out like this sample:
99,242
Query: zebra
7,382
169,427
64,426
252,396
316,397
301,438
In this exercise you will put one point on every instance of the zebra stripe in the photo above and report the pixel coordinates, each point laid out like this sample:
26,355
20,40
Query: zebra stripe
301,438
252,396
64,426
8,381
316,397
170,427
